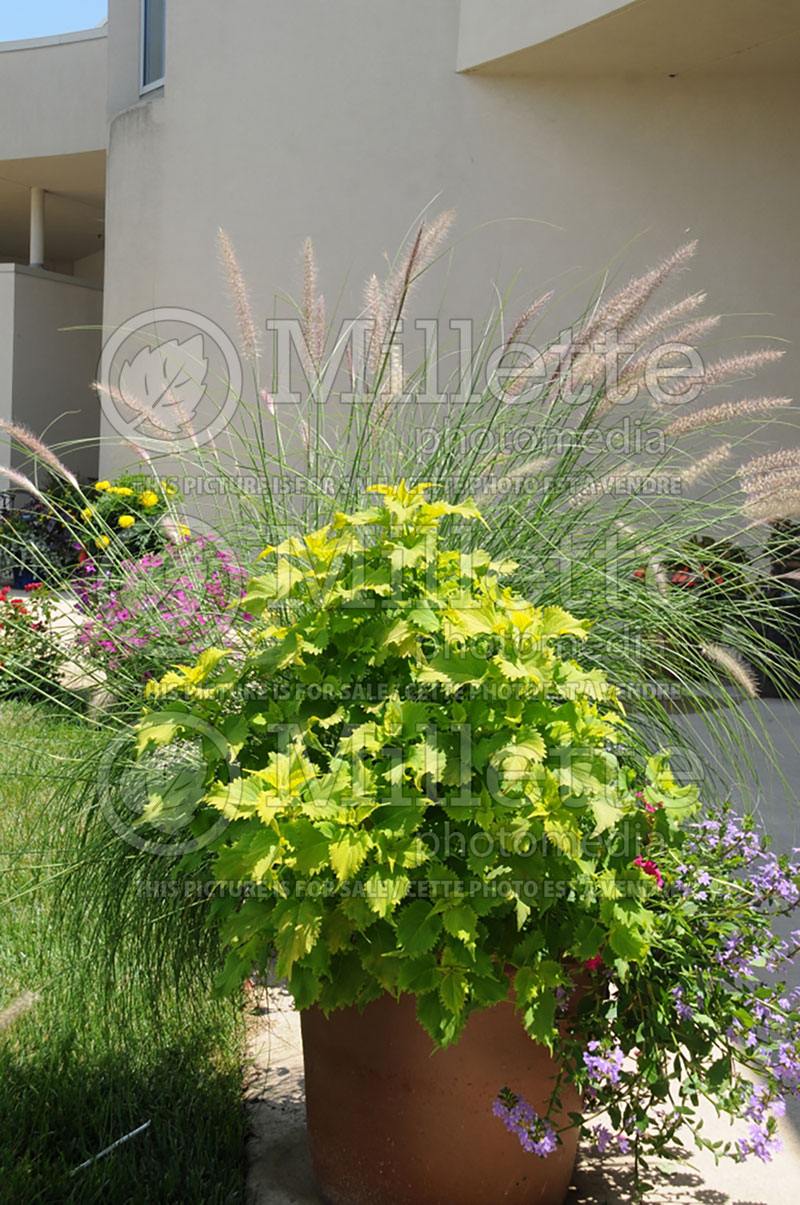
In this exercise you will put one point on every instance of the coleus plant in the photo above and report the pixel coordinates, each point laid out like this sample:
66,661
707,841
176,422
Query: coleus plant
430,796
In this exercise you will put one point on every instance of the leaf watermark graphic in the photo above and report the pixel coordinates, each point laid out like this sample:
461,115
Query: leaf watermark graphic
169,382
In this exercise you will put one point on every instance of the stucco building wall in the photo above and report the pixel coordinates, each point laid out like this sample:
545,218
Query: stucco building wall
46,369
343,121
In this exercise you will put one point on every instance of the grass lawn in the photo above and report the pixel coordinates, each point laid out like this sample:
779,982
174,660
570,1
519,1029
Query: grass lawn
79,1070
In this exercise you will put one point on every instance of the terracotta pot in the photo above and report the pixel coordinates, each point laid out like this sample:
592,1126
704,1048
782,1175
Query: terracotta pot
392,1121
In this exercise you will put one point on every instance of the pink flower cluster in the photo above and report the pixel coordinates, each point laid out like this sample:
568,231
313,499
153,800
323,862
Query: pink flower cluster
182,597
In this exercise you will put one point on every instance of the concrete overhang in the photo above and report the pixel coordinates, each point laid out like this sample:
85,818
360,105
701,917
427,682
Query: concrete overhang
75,188
644,38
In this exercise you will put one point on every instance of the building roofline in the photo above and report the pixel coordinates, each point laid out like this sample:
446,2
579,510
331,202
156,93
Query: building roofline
45,274
59,39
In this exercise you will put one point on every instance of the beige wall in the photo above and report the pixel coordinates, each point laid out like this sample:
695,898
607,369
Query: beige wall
124,50
52,96
48,387
343,121
6,346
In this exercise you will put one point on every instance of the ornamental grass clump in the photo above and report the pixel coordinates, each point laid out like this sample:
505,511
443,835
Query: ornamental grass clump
411,787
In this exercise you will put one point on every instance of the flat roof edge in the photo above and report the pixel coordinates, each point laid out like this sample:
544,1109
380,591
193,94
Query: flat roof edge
52,277
60,39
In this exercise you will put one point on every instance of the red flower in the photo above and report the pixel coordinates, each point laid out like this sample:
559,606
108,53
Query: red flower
592,964
649,867
34,586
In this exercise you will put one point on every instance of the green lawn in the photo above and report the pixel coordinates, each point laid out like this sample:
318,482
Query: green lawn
82,1068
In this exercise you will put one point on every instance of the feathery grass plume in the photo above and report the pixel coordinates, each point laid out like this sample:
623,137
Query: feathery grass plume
780,481
733,665
241,298
525,375
527,317
421,253
725,412
373,306
784,458
312,314
705,465
309,285
17,1008
269,401
22,481
40,450
318,331
146,413
774,507
621,311
636,370
690,334
739,366
640,343
662,320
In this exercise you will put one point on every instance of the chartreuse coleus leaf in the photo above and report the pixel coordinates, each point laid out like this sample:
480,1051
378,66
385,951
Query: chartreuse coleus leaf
349,852
383,892
310,844
298,925
253,855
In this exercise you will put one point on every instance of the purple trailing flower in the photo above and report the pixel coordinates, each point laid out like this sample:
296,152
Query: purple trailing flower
603,1065
685,1011
761,1142
535,1134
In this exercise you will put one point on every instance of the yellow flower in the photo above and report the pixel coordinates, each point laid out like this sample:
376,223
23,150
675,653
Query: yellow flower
103,485
169,490
185,531
103,541
126,521
87,514
148,498
122,491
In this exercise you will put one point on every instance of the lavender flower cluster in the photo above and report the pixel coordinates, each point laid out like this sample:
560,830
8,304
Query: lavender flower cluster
535,1133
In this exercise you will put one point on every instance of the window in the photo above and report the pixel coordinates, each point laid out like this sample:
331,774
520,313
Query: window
153,40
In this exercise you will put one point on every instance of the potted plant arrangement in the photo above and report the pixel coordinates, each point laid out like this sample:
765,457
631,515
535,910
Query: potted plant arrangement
37,540
504,921
132,513
30,659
